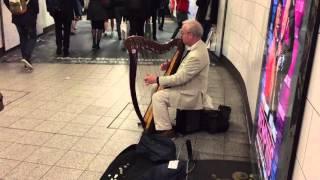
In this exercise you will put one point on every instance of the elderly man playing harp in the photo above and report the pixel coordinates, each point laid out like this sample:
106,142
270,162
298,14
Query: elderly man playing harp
187,88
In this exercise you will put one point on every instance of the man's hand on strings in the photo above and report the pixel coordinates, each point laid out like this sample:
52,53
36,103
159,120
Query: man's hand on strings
150,79
164,66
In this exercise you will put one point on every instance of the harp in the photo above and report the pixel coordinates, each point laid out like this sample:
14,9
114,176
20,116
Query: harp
135,45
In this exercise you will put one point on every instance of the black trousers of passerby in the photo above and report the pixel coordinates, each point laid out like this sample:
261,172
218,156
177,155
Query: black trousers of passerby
206,25
62,30
136,26
154,25
28,40
119,12
161,14
181,16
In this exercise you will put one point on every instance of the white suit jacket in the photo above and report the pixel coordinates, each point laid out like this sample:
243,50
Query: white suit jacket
188,86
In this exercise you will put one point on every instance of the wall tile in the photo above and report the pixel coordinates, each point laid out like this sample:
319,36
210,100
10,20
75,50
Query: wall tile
297,172
303,140
244,41
236,6
249,8
264,3
313,94
247,30
311,161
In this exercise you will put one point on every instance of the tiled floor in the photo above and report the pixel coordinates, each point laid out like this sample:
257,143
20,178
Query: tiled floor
69,121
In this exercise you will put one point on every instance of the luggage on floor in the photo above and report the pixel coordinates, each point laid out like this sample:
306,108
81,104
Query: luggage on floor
147,160
212,121
156,148
188,121
216,121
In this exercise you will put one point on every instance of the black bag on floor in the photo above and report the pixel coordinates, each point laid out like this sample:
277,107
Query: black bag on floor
216,121
127,165
188,121
212,121
156,148
146,160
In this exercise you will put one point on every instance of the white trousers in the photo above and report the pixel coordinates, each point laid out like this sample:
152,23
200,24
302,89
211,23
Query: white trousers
160,107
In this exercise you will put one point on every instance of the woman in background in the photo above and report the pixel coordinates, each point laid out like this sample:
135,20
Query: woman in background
97,14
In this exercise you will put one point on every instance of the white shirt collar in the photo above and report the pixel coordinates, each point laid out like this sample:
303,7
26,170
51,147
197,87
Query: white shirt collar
190,48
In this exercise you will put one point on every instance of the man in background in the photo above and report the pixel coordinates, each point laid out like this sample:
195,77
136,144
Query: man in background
182,10
207,15
136,14
63,12
27,29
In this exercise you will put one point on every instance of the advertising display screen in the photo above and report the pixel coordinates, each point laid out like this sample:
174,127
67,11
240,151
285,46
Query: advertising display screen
287,46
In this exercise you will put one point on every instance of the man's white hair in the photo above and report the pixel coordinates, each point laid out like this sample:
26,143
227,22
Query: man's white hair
194,27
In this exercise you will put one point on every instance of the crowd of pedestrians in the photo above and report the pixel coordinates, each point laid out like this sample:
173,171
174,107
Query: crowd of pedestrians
138,13
66,13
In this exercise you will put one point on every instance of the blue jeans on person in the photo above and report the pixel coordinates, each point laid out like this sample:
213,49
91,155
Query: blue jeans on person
28,39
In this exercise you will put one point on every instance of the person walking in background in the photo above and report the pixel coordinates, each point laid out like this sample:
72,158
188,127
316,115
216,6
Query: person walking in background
97,14
187,88
136,10
207,15
108,5
26,24
63,12
77,18
106,25
182,10
152,9
162,12
119,13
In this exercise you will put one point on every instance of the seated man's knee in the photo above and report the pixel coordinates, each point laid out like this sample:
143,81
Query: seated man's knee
156,96
159,96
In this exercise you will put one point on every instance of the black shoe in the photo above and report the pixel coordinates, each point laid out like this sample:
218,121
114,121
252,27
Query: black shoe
65,53
1,102
160,28
167,133
155,38
59,51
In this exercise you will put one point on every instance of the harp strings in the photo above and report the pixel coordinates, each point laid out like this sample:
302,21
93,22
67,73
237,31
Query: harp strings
149,63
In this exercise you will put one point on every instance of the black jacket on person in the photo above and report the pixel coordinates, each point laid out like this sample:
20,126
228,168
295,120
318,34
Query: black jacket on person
96,11
119,7
137,8
68,9
152,7
202,10
29,17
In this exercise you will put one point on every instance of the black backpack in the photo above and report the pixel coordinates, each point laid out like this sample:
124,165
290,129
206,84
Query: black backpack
54,6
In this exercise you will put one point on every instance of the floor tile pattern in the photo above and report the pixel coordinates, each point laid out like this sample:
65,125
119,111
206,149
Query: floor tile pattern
67,120
73,128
